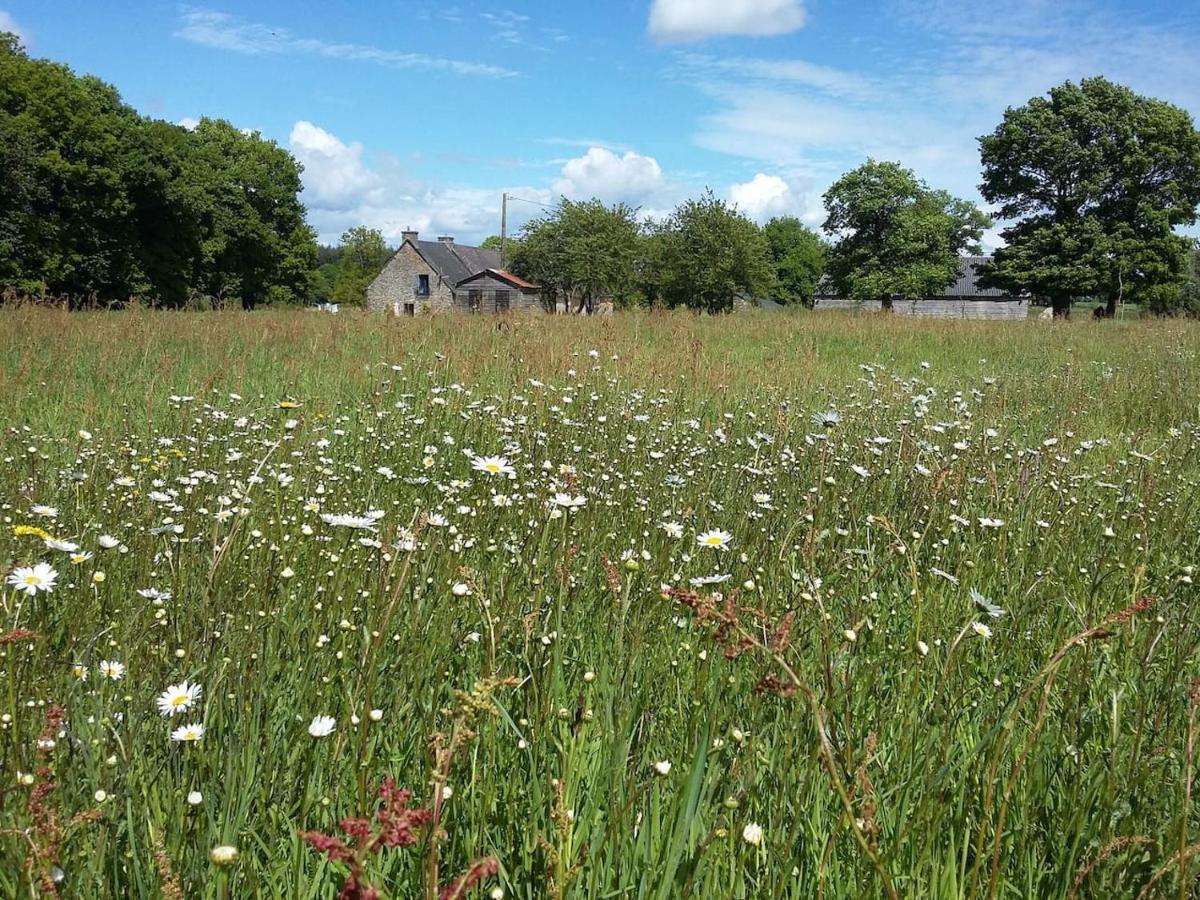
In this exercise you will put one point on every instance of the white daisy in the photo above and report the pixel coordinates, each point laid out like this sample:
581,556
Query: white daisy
493,465
714,539
112,669
321,726
32,579
188,733
178,698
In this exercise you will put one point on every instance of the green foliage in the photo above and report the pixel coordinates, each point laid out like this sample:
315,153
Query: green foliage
364,253
705,254
1096,177
798,256
896,238
97,202
1181,298
582,252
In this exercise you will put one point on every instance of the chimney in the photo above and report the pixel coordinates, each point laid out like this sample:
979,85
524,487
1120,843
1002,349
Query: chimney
445,239
408,234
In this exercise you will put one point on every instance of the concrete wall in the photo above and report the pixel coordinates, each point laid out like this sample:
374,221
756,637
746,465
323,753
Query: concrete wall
396,285
939,308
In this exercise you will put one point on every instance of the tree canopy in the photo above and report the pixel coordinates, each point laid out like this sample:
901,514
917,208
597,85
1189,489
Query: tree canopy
1096,178
798,257
363,254
895,237
705,254
581,251
98,202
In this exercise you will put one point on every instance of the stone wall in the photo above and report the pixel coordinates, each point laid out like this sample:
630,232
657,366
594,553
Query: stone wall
939,308
396,285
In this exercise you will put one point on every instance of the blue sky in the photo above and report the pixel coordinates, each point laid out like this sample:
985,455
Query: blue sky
422,113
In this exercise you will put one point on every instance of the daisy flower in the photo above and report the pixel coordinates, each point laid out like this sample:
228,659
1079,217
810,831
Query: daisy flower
112,669
188,733
32,579
493,465
321,726
346,520
64,546
41,509
714,539
673,529
982,630
178,698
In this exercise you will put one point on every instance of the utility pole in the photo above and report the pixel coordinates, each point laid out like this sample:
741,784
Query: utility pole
503,226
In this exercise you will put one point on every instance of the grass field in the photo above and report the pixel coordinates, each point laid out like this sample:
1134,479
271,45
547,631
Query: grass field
641,607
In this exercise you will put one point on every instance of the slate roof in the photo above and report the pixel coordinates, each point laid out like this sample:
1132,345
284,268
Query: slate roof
966,286
456,262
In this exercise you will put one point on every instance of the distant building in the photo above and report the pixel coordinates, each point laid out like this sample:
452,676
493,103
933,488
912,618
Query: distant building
441,276
964,299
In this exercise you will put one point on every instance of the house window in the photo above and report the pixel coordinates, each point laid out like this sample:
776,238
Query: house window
410,309
502,301
474,301
422,285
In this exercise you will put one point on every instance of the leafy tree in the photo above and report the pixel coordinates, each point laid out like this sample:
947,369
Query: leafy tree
99,202
798,256
705,254
1181,298
582,251
364,253
1096,177
897,238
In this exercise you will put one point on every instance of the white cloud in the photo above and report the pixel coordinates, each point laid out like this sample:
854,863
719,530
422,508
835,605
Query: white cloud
222,31
8,23
334,172
630,178
188,122
690,20
765,196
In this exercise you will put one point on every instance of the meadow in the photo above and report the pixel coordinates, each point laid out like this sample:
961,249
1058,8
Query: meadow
653,606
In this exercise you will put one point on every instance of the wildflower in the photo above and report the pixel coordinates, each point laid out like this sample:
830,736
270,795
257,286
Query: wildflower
566,501
861,472
64,546
982,630
321,726
195,798
78,559
493,465
460,589
100,795
375,715
715,539
154,594
32,579
752,834
986,522
178,698
48,512
80,671
826,419
672,529
27,530
188,733
287,572
922,648
223,855
663,767
112,670
107,541
986,605
346,520
288,404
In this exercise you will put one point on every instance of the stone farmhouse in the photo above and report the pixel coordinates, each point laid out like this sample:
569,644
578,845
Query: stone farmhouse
441,276
964,299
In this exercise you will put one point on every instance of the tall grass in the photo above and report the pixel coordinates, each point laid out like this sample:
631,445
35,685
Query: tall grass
546,664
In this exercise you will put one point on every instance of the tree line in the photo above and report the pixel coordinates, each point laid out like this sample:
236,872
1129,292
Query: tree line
100,203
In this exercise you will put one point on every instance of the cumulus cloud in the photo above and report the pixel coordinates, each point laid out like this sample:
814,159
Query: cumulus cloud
629,178
219,30
334,172
691,20
188,122
8,23
765,196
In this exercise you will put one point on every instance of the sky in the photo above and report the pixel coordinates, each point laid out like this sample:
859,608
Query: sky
421,114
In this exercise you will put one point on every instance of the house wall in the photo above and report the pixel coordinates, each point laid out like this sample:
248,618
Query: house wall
396,285
940,308
518,300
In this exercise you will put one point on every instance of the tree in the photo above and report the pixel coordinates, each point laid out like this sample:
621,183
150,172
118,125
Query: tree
897,239
364,253
1181,298
705,254
582,251
798,256
98,202
1096,178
